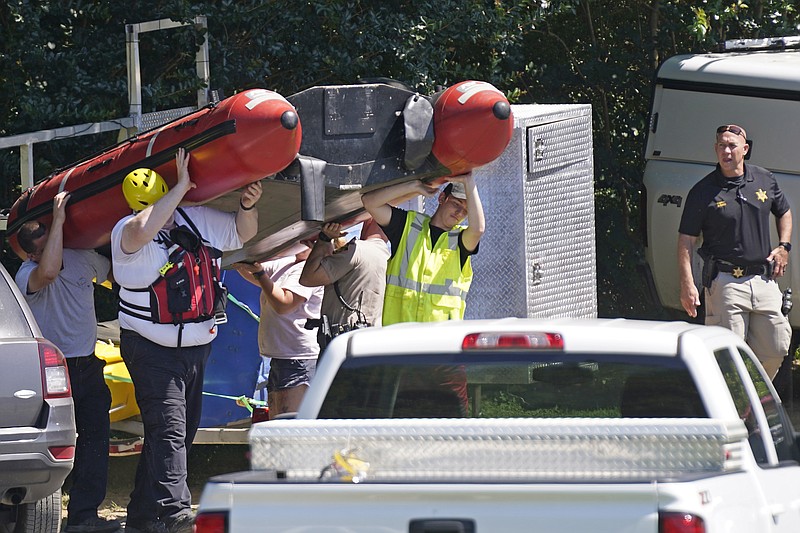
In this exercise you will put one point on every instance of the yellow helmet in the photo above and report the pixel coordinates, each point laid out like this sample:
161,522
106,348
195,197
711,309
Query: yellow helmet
143,187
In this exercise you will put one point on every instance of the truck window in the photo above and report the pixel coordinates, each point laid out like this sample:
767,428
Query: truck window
509,385
779,425
780,429
742,402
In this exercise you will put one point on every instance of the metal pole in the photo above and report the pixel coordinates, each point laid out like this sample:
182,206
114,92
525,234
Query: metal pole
134,74
202,63
26,165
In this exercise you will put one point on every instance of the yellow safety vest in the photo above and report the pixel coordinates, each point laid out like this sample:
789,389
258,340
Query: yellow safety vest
425,282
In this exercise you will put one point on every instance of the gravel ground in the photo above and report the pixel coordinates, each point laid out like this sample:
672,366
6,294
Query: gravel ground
204,461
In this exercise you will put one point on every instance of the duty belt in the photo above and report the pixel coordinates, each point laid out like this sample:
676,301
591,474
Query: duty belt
743,270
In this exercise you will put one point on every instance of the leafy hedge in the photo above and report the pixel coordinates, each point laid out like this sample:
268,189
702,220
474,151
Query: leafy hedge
63,63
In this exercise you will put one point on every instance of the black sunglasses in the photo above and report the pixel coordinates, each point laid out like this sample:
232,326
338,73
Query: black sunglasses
736,130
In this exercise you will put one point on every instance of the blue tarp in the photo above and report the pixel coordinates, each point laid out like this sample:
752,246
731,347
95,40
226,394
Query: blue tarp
233,364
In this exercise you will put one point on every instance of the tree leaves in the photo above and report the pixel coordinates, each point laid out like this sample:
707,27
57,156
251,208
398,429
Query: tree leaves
64,63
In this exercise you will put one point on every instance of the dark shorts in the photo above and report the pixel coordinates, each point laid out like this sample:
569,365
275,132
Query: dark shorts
288,373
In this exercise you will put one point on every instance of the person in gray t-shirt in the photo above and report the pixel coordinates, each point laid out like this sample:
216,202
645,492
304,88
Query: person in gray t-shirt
57,284
357,271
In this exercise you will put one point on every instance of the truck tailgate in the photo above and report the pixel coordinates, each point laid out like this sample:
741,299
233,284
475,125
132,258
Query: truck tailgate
444,508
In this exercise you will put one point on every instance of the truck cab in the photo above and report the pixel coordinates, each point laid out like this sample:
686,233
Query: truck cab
752,83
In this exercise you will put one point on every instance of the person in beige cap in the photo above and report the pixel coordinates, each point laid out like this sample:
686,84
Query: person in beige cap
731,207
429,271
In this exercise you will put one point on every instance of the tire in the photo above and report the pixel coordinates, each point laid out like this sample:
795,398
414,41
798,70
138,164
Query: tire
43,516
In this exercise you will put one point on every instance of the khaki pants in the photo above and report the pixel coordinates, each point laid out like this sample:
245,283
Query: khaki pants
750,306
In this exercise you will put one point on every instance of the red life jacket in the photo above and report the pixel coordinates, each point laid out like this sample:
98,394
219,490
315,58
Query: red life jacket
188,288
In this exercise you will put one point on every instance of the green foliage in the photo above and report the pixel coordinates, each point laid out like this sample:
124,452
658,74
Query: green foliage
511,406
63,63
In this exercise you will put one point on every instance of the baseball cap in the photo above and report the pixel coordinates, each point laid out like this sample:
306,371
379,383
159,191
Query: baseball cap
457,190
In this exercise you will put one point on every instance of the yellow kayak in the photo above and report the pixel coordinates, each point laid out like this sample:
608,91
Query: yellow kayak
123,401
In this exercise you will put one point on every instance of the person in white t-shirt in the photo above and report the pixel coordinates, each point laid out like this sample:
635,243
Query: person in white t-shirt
287,348
167,361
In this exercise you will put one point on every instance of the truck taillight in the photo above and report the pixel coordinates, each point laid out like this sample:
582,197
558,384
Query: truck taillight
55,376
490,340
211,522
676,522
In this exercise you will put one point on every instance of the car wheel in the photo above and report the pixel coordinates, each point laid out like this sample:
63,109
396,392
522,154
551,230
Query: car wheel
43,516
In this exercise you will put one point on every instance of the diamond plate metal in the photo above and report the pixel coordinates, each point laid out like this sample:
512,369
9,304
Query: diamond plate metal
511,449
537,257
158,118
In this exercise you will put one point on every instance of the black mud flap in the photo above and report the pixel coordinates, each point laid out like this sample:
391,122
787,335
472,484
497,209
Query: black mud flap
650,283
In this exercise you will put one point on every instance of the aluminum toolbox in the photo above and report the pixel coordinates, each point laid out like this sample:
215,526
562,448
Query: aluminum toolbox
538,197
517,449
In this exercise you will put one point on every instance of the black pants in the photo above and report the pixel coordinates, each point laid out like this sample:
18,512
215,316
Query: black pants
169,386
90,471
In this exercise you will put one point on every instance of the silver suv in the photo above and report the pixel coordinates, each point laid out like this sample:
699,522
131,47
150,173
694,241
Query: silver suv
37,424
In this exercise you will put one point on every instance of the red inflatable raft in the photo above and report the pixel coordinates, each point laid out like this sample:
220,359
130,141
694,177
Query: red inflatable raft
233,143
472,121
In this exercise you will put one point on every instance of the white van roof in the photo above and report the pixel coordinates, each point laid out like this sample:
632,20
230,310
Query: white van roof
776,70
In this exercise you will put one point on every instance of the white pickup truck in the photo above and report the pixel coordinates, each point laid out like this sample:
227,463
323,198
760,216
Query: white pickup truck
568,425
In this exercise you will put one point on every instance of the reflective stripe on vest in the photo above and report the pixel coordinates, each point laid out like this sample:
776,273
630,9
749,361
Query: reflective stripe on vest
425,281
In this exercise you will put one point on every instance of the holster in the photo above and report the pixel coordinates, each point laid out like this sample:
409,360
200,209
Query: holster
710,271
323,327
328,331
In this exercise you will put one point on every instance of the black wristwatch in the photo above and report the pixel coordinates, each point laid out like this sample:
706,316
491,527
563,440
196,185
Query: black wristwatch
323,237
786,246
